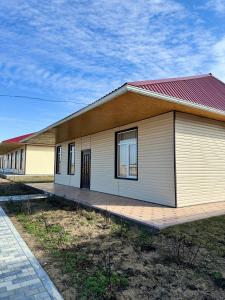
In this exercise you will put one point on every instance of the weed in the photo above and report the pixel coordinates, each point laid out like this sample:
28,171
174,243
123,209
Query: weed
76,206
74,261
120,229
43,218
89,215
62,236
27,207
144,241
181,249
97,286
218,279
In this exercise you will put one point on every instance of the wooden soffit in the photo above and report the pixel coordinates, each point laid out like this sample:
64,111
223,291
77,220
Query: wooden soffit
124,109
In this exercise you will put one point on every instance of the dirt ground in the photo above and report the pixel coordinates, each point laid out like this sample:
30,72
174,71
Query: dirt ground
93,256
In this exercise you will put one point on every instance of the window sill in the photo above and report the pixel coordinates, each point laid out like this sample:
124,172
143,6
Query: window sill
127,178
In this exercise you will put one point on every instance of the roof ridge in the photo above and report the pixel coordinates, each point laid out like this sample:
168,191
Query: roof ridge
172,79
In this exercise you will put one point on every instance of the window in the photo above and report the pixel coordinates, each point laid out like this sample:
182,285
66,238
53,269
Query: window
16,158
8,161
71,159
21,159
58,159
11,161
126,154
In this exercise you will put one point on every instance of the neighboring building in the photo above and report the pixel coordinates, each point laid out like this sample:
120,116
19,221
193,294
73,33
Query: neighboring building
161,141
1,162
36,162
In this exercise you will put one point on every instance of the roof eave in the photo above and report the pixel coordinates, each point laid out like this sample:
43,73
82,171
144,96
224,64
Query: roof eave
8,147
160,96
121,90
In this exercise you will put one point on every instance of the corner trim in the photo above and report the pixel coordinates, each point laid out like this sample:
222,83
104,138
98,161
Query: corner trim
174,158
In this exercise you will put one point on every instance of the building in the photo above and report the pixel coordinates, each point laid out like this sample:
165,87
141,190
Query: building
161,141
22,162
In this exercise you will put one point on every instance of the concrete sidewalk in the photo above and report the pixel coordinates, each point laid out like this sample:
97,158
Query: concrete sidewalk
21,275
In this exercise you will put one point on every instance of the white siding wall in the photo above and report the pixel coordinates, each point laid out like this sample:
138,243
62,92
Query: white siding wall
63,178
155,162
200,160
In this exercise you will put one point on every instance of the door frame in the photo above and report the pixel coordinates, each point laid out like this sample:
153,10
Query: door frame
81,168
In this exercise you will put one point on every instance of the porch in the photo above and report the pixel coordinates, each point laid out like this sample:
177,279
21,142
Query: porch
148,214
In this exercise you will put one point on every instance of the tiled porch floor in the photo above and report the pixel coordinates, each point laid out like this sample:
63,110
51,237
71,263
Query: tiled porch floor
150,214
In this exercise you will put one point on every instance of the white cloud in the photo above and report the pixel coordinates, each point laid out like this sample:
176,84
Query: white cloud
83,49
217,5
218,53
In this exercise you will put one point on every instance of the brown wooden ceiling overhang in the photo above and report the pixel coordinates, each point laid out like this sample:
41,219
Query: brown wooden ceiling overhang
124,106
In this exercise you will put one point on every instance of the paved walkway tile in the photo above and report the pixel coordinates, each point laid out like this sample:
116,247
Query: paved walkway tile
150,214
21,275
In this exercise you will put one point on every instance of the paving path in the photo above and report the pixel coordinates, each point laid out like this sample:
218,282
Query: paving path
150,214
21,275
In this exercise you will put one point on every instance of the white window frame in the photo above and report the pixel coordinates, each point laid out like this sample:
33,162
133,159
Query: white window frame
21,161
71,151
58,165
127,144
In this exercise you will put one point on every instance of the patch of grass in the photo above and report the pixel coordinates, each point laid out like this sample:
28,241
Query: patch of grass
208,233
92,282
101,257
98,286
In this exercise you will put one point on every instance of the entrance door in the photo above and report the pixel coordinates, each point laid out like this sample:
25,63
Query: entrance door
85,168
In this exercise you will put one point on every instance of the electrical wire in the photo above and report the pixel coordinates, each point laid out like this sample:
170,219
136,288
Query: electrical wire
41,99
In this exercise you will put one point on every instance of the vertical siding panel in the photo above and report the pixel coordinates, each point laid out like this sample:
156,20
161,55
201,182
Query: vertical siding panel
103,162
155,162
64,178
200,156
86,142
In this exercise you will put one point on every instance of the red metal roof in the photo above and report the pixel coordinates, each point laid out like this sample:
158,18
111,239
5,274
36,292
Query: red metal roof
203,89
18,139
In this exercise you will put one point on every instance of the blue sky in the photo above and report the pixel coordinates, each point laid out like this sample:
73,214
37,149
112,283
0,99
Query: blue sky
80,50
